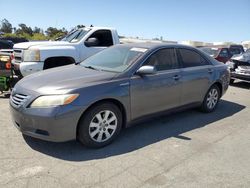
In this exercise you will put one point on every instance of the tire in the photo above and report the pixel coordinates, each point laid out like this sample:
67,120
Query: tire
100,125
211,99
231,81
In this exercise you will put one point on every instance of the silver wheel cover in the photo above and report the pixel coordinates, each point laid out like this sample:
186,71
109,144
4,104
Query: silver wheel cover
212,98
103,126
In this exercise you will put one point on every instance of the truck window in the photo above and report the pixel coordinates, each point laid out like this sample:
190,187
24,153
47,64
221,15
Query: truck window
104,37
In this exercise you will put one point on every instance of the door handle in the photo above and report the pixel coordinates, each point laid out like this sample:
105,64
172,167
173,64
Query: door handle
176,77
210,71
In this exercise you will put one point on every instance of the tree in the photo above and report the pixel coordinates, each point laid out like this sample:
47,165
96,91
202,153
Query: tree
37,30
53,32
6,26
24,29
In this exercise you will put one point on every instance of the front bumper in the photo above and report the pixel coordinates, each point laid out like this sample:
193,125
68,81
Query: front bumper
27,68
243,77
57,124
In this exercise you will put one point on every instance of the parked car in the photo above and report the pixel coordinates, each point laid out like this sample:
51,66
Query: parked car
94,100
223,54
31,57
6,44
235,49
14,40
220,54
5,71
240,67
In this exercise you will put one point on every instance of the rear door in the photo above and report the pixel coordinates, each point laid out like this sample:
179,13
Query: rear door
196,74
157,92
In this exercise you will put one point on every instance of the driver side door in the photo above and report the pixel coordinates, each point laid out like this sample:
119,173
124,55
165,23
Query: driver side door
156,92
105,40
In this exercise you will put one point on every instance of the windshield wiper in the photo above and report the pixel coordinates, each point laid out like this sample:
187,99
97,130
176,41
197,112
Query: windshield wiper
90,67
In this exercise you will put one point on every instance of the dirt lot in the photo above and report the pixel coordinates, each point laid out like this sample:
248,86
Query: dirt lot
187,149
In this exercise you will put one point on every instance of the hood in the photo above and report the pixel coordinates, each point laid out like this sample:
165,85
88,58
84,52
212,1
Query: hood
245,57
26,45
63,79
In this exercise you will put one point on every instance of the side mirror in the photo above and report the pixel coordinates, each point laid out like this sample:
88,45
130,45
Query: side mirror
146,69
91,42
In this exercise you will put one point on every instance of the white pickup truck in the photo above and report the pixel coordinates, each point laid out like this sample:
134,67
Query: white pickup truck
30,57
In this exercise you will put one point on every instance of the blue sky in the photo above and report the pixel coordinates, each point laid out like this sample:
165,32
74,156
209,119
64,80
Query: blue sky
209,21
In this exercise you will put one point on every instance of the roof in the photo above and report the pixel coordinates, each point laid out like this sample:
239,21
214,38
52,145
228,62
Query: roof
150,45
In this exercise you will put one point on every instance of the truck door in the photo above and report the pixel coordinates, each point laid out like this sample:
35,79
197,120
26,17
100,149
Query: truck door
103,39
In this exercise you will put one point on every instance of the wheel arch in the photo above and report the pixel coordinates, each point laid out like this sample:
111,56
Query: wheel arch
219,85
51,60
107,100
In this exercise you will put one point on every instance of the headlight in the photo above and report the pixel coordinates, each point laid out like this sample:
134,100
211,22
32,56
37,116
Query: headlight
230,64
53,100
31,55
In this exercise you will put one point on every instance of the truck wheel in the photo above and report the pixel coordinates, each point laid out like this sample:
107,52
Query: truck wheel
100,125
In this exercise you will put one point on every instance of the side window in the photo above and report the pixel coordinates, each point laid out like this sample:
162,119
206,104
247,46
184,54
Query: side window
164,59
224,53
191,58
104,38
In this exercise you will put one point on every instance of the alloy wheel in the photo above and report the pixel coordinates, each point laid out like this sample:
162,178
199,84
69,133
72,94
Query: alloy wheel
103,126
212,98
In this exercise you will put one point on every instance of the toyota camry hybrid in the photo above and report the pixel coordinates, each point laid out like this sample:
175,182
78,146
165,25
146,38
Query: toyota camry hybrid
93,100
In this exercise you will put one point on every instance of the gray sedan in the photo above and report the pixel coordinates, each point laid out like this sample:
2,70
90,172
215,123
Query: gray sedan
92,101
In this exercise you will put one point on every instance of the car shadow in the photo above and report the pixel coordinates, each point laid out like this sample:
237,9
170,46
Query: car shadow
241,84
138,136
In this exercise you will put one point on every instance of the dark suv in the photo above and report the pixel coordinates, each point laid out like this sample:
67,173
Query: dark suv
236,49
14,39
6,44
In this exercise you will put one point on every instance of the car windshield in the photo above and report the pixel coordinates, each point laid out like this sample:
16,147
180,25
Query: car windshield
211,51
114,59
76,35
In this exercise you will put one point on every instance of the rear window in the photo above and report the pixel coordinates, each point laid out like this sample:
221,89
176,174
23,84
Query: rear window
191,58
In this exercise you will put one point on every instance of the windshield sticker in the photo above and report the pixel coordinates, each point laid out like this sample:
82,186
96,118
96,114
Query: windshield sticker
139,49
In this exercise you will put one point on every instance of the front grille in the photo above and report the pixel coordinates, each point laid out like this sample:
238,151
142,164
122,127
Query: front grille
18,54
18,99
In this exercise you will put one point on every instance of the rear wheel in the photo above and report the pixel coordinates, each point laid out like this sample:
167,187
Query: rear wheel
100,125
211,99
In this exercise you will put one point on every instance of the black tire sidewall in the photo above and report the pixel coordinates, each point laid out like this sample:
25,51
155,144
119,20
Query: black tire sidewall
204,107
83,131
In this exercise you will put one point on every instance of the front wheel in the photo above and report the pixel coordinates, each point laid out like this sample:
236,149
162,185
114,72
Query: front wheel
211,99
100,125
